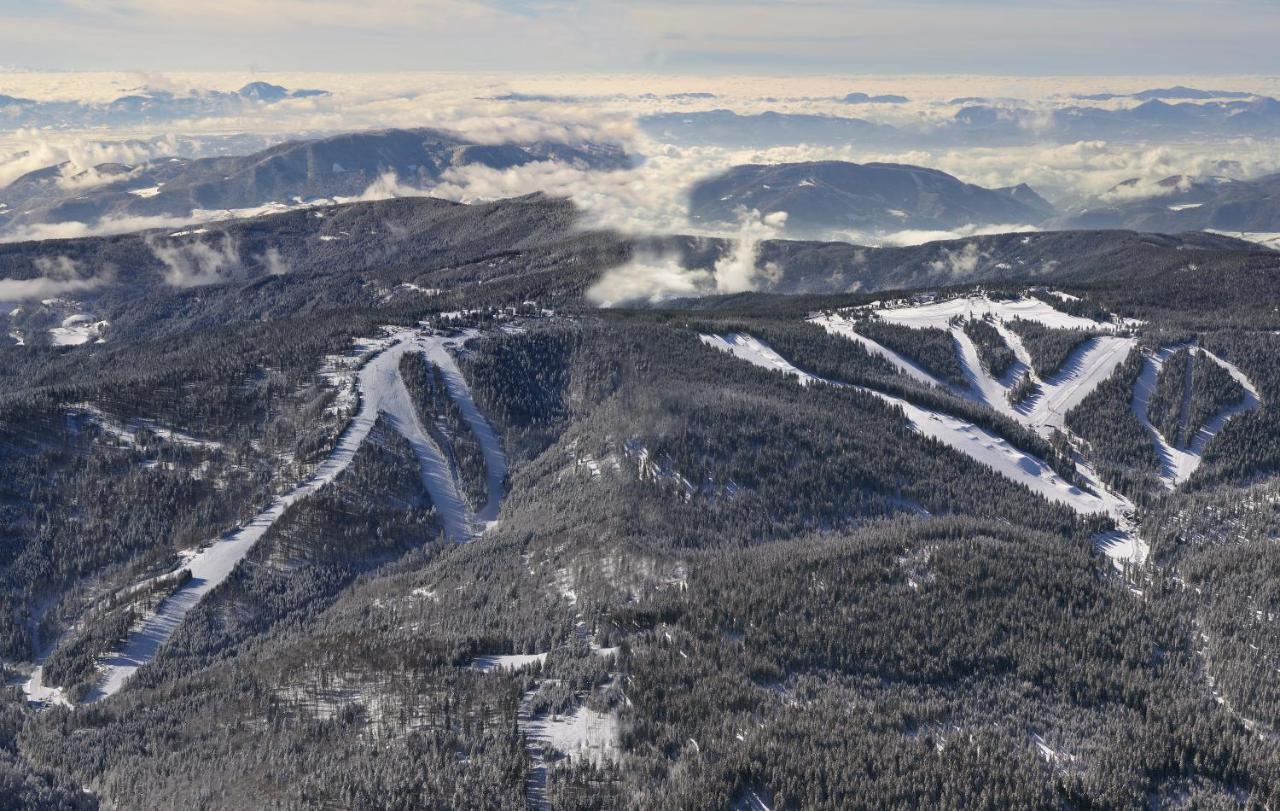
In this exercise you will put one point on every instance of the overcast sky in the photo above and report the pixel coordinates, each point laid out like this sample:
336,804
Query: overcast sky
713,36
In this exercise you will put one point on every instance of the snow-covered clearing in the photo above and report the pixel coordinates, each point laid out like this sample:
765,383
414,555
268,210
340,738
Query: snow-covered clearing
495,461
976,443
40,693
1270,239
77,330
509,661
1087,367
939,313
1177,464
582,733
382,391
837,324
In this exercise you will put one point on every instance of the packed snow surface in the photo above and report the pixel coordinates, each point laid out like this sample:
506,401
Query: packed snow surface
976,443
1177,464
382,391
939,313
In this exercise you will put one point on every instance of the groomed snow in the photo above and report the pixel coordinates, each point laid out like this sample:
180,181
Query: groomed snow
1177,464
976,443
837,324
382,392
939,313
40,693
128,432
1045,411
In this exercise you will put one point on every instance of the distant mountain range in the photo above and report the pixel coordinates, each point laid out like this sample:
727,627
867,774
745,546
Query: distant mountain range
1179,92
863,98
727,128
1182,203
338,166
144,106
824,195
986,121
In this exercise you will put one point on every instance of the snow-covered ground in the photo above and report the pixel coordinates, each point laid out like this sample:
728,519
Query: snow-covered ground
1121,545
382,391
1045,411
1087,367
976,443
1177,464
582,733
837,324
78,329
495,461
40,693
509,661
939,313
127,432
1267,238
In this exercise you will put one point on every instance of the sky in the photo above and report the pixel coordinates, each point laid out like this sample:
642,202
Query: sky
1034,37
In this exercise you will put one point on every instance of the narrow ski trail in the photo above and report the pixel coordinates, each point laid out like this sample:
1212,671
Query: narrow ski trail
1093,362
1177,464
382,391
977,443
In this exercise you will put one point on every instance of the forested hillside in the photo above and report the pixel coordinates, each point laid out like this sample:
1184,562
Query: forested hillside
414,525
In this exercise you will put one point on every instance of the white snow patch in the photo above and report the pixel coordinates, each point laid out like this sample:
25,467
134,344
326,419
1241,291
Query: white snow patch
510,661
76,330
976,443
584,733
939,313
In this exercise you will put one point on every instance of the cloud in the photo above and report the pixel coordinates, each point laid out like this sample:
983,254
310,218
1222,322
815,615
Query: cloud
59,276
652,279
960,262
649,279
916,237
275,264
736,271
194,264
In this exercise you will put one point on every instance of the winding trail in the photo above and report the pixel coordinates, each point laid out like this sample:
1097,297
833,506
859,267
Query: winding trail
382,391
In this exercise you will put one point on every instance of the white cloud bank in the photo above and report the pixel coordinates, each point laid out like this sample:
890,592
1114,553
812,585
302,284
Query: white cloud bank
59,276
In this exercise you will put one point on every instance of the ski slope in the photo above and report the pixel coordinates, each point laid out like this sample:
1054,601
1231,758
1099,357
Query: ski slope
837,324
1178,463
1045,410
1083,372
938,314
976,443
382,392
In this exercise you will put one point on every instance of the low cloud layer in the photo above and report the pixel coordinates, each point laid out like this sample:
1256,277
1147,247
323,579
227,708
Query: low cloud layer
651,279
59,276
194,264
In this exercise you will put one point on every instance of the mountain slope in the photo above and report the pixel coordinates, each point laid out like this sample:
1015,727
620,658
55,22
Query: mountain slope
338,166
1181,203
826,195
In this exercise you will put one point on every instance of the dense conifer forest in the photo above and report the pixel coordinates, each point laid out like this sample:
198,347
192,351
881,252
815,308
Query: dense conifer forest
707,586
